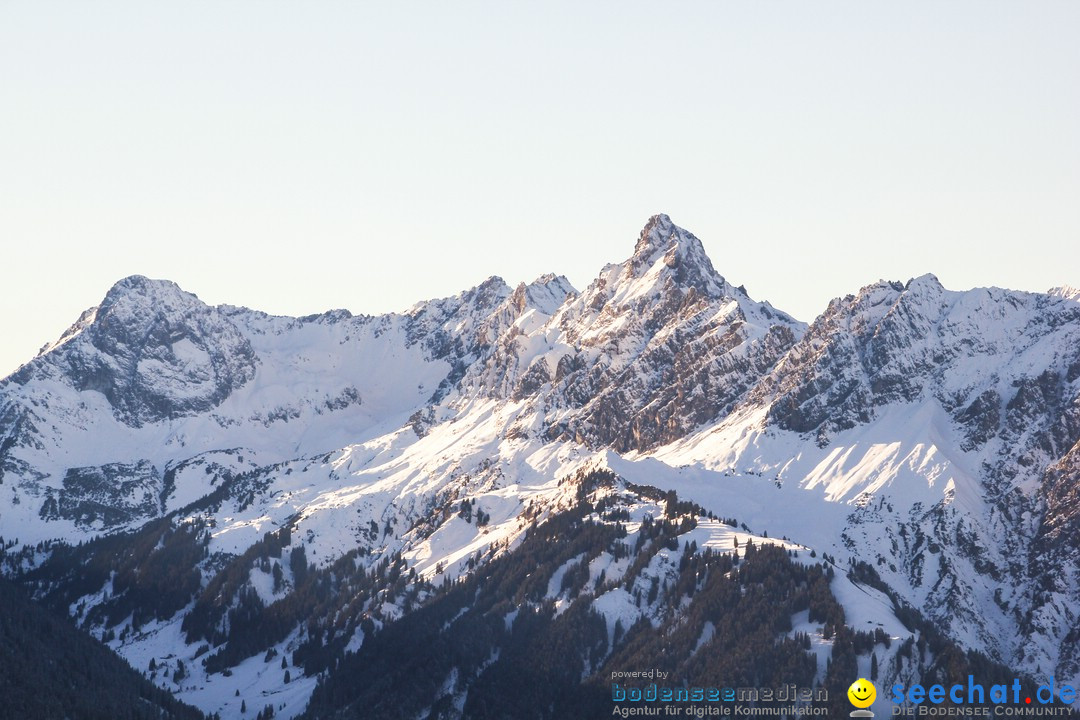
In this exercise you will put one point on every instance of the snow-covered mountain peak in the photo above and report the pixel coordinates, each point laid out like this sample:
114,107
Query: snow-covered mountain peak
657,233
1067,292
663,323
485,296
140,286
153,350
546,293
665,249
487,293
925,283
127,297
661,235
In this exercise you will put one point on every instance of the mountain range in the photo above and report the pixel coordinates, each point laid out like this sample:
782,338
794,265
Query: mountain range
268,502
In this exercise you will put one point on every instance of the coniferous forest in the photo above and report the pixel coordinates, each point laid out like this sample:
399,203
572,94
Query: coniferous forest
49,669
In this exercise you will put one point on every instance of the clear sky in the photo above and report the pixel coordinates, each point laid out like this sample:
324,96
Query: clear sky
296,157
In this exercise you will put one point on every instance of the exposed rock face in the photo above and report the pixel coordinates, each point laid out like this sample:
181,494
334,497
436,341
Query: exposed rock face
653,348
893,343
105,497
1053,572
153,350
660,345
1004,367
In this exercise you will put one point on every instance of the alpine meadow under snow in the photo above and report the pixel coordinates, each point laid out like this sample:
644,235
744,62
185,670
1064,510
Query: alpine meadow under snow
249,508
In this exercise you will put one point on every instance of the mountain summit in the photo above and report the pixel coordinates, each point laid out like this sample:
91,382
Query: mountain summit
153,350
682,254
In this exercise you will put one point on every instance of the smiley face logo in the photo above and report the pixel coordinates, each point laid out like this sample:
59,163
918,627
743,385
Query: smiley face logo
862,693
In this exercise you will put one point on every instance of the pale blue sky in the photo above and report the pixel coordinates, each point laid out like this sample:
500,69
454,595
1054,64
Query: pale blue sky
296,157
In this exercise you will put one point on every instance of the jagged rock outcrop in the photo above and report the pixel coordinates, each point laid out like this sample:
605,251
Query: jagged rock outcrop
153,350
655,347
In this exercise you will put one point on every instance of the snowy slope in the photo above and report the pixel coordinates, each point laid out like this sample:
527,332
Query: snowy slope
274,389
